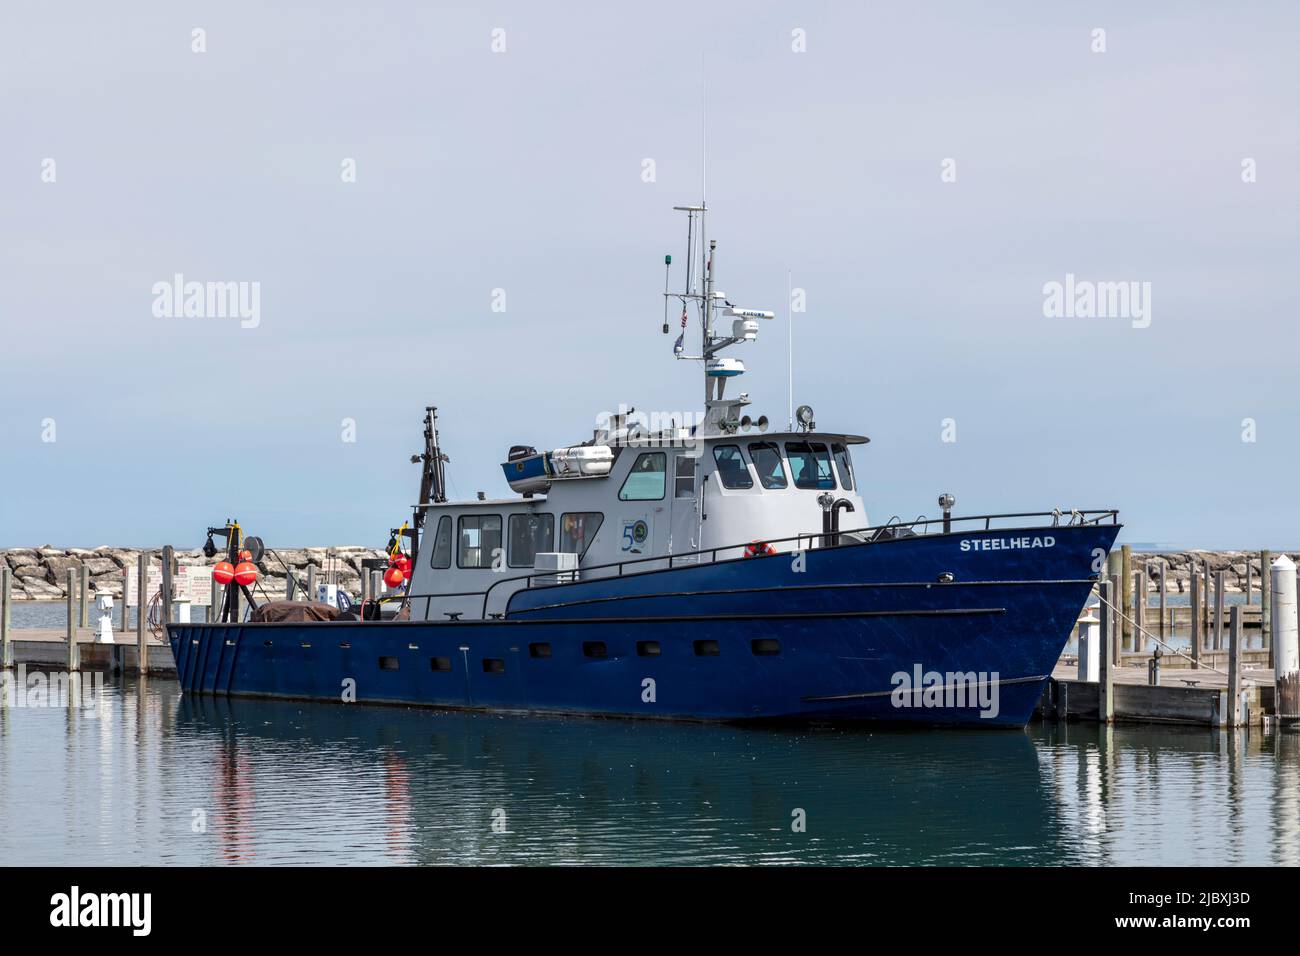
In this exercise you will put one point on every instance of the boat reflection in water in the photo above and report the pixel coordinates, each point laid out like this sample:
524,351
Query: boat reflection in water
302,781
152,777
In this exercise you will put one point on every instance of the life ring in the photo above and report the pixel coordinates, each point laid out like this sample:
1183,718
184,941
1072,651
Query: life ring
758,549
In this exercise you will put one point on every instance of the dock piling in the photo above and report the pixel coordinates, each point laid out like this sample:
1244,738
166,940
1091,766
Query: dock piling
1265,597
83,596
1105,668
1117,630
1219,579
1195,605
1139,607
1164,567
311,582
6,641
1205,605
1126,598
74,616
168,595
1234,717
142,613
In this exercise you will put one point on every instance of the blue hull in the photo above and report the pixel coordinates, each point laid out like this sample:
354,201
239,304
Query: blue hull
862,632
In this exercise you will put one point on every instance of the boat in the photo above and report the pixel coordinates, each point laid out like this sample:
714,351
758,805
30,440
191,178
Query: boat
705,566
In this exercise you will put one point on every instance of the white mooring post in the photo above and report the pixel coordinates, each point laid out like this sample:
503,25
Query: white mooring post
1089,646
1286,649
104,602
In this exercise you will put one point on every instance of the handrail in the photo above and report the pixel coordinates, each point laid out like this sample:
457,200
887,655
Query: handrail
1081,518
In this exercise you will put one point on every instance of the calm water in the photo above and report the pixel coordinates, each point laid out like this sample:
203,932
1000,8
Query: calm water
125,781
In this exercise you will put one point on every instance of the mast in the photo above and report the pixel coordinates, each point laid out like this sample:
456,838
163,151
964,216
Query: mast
720,414
433,479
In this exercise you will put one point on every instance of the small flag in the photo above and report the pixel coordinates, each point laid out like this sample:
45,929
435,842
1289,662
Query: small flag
683,316
678,346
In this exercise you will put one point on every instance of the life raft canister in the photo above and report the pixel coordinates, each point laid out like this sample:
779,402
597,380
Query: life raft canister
758,549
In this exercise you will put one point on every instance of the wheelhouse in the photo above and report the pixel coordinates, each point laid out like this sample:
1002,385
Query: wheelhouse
659,498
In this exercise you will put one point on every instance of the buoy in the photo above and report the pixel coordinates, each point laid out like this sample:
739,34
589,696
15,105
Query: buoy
404,563
758,549
245,573
394,576
245,555
223,572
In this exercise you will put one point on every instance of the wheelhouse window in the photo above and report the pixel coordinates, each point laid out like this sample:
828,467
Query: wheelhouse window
810,465
577,531
766,457
441,557
646,480
732,470
844,465
529,534
480,540
684,480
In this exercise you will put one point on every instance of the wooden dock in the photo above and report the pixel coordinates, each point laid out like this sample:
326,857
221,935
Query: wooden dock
48,648
1185,695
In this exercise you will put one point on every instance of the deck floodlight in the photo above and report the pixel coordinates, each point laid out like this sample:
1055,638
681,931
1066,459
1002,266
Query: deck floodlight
804,415
946,501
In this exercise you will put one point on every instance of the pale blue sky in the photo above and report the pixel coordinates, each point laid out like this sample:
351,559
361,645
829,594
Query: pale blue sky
522,170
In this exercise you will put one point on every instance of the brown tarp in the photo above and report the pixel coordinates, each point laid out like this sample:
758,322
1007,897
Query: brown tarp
279,612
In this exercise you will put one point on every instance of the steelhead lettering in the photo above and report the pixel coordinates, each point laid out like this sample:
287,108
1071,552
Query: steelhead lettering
1007,544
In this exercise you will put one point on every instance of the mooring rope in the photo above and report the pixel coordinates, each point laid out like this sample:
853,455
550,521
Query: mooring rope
1199,664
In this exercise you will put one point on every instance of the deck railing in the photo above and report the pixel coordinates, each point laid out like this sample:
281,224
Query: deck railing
892,530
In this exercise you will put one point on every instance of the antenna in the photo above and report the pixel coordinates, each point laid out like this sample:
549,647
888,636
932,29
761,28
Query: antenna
704,131
789,322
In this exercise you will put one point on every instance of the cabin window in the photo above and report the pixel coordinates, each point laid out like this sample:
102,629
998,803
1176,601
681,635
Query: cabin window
539,650
442,544
646,480
844,465
494,665
594,649
388,664
577,531
707,649
810,464
529,534
765,646
767,462
647,648
732,469
684,482
480,540
440,664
